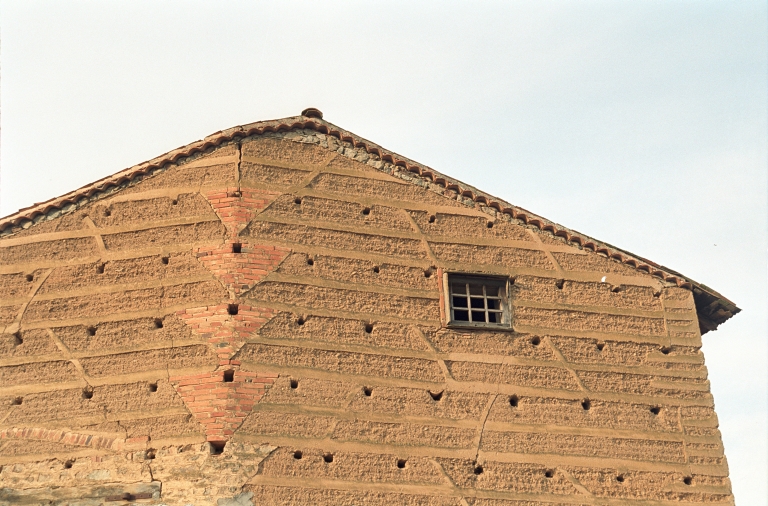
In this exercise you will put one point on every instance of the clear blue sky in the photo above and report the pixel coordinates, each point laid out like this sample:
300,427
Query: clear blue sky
641,123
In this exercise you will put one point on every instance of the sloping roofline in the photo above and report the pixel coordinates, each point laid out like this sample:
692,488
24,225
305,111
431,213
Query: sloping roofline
713,309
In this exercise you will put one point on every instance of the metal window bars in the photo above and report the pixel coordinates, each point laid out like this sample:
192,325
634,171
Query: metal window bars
478,301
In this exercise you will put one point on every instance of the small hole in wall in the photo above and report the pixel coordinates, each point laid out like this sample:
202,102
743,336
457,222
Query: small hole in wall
560,283
297,455
153,387
549,473
479,469
100,269
237,248
512,281
401,463
300,321
536,340
149,454
368,328
367,211
91,331
294,384
174,202
297,201
620,478
310,261
489,224
30,278
586,404
229,376
88,393
17,339
655,410
367,391
217,447
107,212
513,401
376,269
158,323
436,396
232,309
68,464
432,218
688,480
666,349
617,289
657,294
428,273
17,401
600,346
164,260
328,458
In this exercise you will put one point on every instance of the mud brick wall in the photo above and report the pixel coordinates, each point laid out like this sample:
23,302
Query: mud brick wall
261,323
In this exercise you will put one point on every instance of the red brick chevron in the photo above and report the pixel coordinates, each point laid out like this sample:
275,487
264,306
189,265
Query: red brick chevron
219,405
225,331
240,271
236,207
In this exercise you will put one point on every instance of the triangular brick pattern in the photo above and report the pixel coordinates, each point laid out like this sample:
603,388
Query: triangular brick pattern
236,207
239,271
224,330
220,400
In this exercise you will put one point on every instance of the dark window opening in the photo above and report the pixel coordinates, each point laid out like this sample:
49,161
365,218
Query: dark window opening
478,301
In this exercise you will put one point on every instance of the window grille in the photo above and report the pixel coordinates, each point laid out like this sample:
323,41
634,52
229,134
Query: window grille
478,300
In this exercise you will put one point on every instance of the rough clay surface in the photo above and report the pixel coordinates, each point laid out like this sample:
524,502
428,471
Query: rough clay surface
264,323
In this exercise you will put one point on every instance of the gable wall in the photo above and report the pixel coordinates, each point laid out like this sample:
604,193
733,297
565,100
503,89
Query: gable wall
117,335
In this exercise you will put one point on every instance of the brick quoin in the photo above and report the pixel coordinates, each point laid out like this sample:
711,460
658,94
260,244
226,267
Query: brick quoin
218,405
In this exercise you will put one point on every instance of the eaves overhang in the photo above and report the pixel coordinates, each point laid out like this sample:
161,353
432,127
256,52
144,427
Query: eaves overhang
713,309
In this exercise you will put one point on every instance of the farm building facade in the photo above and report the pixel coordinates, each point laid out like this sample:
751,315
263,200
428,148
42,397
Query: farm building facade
285,313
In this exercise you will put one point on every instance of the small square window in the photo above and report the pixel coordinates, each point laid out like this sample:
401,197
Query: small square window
477,301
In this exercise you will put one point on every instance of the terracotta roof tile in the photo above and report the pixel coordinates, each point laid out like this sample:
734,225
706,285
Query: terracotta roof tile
713,308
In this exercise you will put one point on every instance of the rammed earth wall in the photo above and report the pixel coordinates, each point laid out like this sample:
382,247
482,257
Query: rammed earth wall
262,323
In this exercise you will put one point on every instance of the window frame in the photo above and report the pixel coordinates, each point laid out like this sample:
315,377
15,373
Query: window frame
478,279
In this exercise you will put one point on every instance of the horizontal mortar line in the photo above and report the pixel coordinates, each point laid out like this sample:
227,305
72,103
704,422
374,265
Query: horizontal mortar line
589,309
350,286
336,313
500,243
113,317
62,456
154,345
551,273
374,258
106,231
313,344
408,488
714,452
469,423
35,388
66,423
472,386
150,375
552,460
126,254
709,440
206,161
333,226
169,192
282,164
590,334
558,460
394,203
576,366
125,287
367,416
711,422
166,441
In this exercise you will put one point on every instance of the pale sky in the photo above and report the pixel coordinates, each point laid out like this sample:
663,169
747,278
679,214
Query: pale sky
639,123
